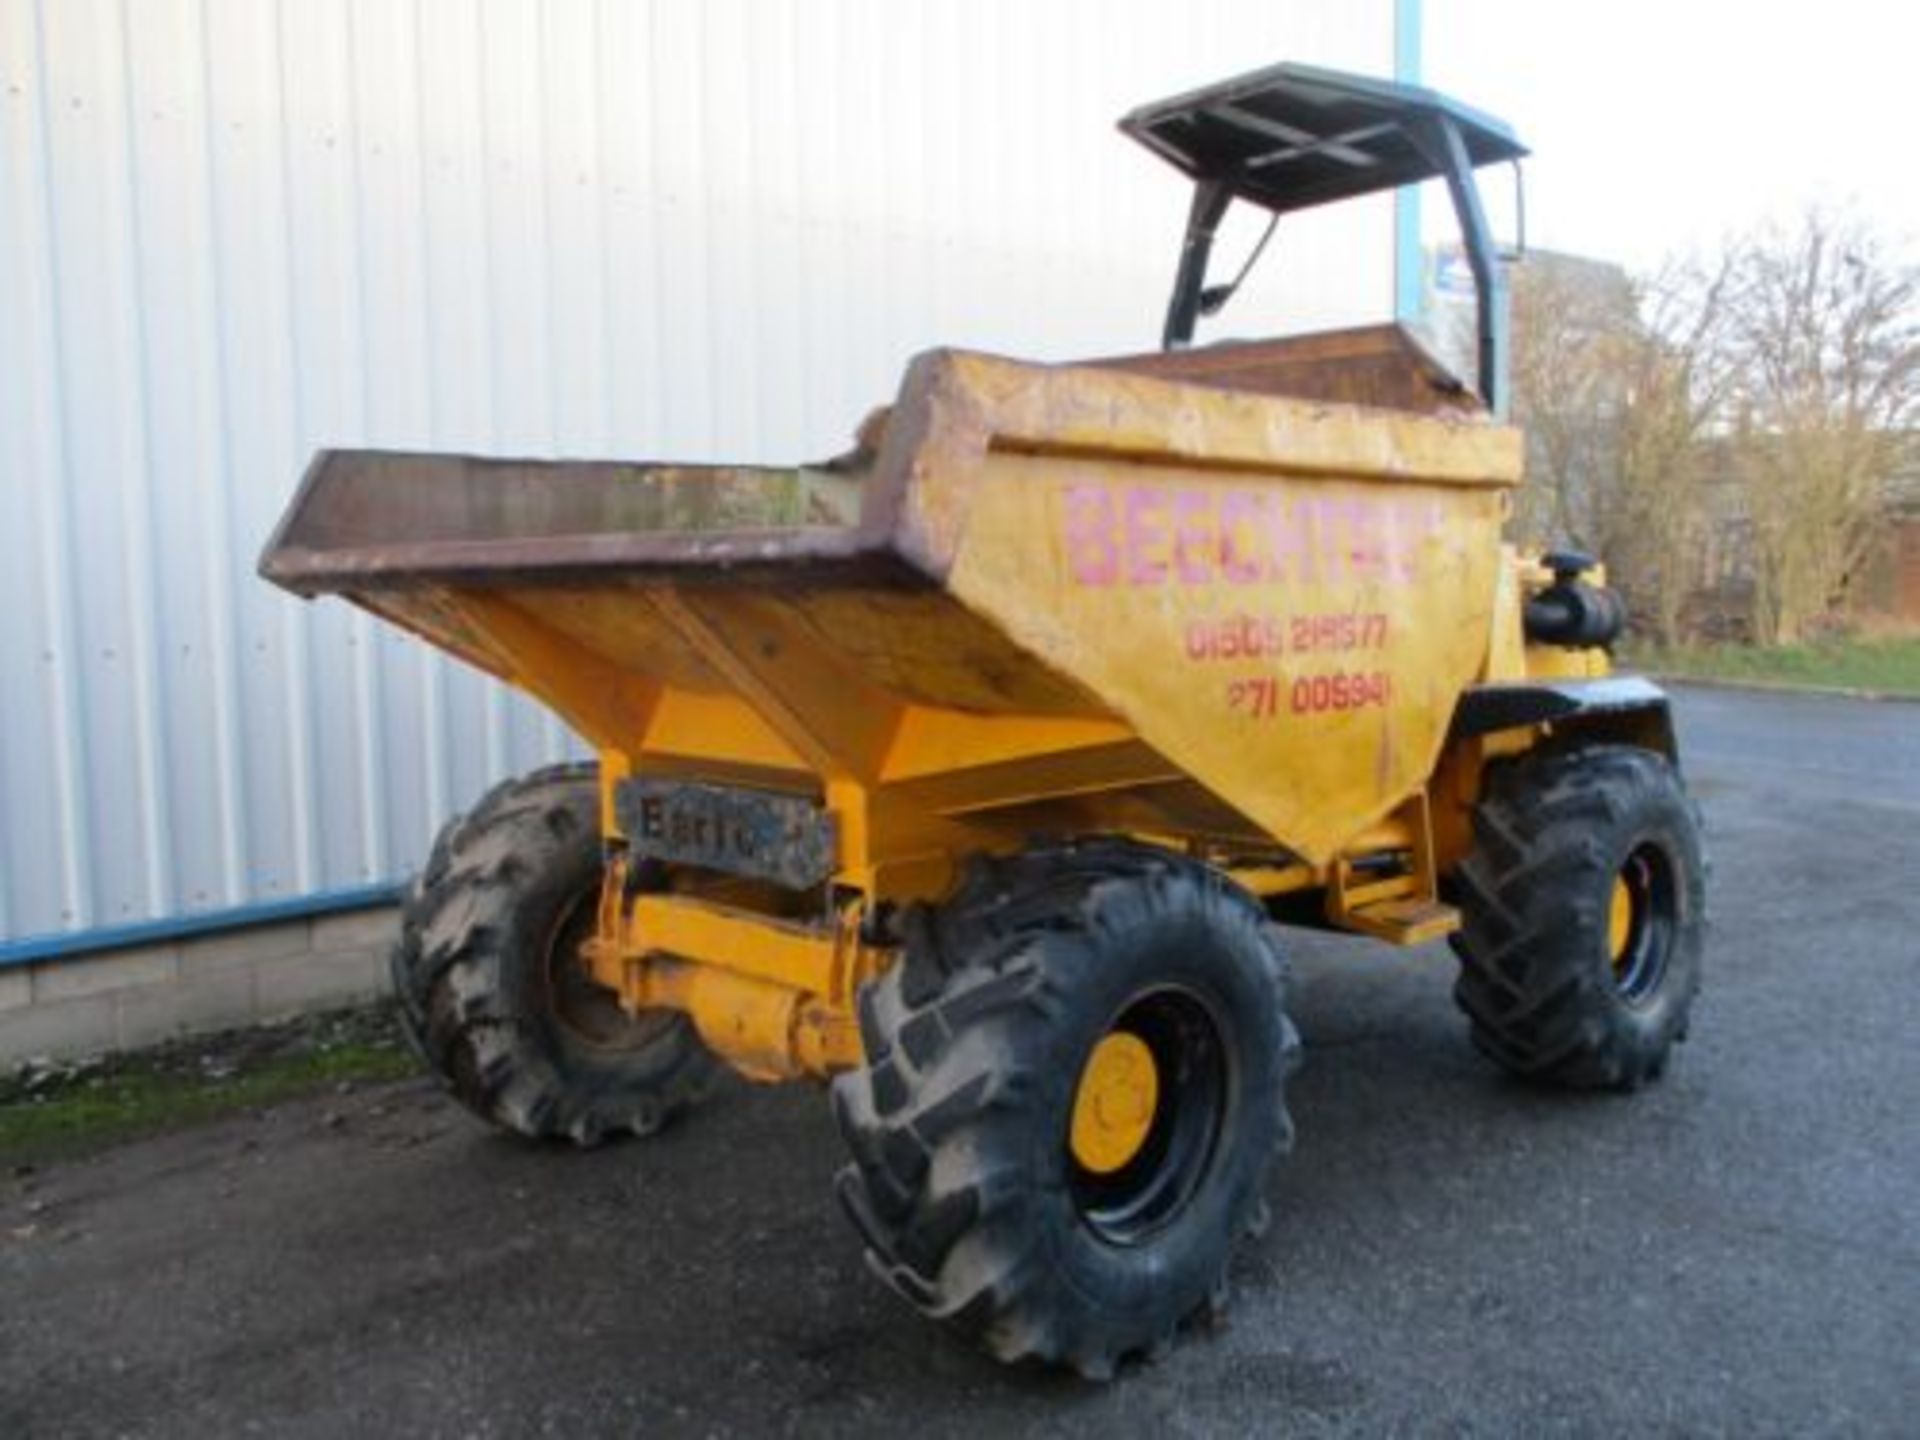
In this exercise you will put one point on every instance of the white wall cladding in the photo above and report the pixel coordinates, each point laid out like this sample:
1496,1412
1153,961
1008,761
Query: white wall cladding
232,231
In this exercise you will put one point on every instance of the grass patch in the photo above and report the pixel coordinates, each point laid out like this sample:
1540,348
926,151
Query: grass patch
49,1110
1889,665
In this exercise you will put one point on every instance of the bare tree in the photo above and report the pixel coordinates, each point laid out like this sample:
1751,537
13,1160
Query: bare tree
1616,381
1824,348
1570,318
1676,381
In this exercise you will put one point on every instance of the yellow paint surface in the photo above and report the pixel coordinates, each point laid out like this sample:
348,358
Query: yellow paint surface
1619,919
1114,1106
1295,644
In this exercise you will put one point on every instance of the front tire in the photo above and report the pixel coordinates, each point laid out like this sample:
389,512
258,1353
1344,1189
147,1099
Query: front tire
1071,1101
1584,908
492,990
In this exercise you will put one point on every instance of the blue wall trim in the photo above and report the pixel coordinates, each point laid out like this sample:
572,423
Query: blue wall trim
34,948
1409,261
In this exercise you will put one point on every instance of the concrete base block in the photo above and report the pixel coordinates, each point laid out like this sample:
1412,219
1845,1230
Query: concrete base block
357,930
318,981
57,1030
100,974
193,1003
244,949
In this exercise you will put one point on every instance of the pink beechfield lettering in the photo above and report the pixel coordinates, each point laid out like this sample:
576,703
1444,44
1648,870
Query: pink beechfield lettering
1149,535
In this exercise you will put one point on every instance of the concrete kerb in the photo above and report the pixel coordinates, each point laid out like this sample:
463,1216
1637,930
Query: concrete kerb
1767,687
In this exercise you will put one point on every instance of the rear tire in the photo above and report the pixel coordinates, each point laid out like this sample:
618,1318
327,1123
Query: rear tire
971,1184
1583,904
493,994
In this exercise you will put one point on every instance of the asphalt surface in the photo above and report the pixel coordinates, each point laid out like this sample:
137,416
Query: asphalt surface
1736,1250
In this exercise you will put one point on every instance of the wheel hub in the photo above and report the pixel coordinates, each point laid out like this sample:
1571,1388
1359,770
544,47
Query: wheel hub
1115,1105
1640,923
1620,920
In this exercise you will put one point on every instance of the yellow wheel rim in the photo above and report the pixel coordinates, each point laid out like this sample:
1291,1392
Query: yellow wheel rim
1620,920
1114,1107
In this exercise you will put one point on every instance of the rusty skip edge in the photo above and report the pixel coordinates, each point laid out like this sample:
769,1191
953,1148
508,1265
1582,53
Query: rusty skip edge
953,408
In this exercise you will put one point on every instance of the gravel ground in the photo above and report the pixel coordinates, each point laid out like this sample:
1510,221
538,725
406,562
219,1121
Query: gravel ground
1736,1250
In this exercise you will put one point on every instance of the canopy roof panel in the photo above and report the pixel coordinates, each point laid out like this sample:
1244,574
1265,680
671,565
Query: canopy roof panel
1294,136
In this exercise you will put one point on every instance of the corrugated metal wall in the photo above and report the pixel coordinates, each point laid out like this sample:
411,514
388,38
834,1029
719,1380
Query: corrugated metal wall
232,231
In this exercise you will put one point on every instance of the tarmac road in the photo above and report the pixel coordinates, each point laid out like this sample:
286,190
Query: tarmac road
1736,1250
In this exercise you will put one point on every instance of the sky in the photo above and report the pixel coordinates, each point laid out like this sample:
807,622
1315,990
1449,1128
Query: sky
1662,127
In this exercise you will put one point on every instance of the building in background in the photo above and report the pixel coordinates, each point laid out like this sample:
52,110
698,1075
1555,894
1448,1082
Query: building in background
233,232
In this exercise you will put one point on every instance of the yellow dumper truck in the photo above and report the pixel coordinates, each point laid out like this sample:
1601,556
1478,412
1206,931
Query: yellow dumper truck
974,772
